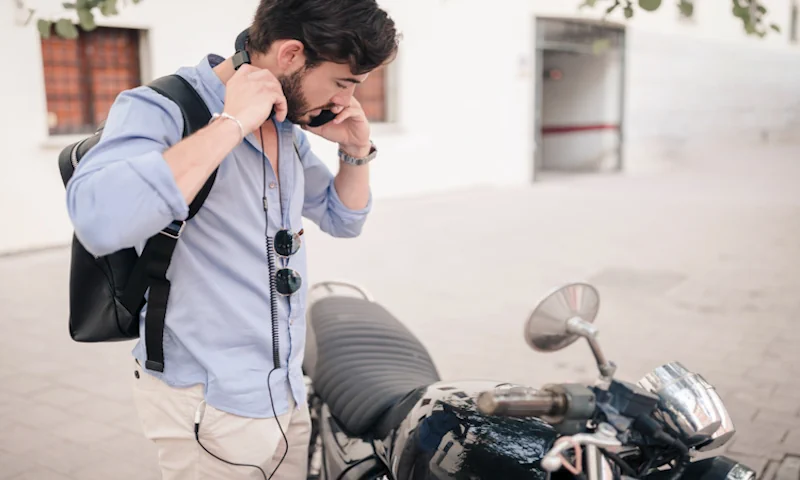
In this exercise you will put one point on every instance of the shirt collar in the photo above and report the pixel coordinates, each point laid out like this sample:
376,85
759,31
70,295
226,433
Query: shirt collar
208,77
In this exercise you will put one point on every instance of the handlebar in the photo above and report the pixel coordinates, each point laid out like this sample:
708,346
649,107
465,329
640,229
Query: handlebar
523,402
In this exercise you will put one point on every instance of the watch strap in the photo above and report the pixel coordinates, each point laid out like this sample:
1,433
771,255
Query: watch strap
351,160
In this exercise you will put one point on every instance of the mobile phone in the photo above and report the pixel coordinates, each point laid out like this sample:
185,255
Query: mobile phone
324,117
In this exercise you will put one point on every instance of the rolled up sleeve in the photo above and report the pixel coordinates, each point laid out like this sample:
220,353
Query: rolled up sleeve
123,191
322,203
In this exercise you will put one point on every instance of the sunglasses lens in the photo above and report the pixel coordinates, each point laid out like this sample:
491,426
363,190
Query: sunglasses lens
287,243
287,281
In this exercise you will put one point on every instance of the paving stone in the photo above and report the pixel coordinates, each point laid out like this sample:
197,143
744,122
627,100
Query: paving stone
25,384
118,470
103,411
745,446
767,416
85,431
40,473
756,463
20,439
65,457
790,390
792,441
789,469
60,396
40,416
771,471
11,465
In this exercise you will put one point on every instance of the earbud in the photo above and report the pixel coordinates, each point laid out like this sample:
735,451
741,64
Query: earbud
198,414
241,56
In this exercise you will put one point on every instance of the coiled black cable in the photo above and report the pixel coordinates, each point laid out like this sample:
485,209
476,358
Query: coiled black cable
276,357
273,299
273,290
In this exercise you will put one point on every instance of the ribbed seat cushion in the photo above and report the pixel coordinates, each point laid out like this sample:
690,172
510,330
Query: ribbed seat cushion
362,360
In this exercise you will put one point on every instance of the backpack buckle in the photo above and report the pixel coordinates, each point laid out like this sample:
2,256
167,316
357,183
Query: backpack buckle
174,229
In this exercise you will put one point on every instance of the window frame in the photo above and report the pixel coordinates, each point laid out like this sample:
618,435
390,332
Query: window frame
56,139
390,105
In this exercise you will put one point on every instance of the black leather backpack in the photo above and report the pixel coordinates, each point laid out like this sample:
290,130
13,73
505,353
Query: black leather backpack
106,294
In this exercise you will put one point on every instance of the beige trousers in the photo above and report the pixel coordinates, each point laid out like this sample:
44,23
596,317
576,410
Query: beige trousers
167,416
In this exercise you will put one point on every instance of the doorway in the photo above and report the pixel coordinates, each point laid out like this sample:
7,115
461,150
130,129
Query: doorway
579,96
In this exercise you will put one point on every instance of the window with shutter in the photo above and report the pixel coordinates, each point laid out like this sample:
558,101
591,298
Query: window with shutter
83,76
372,95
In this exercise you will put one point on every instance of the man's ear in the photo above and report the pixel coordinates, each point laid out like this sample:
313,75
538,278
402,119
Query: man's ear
291,55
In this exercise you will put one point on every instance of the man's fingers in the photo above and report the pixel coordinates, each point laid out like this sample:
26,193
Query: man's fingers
347,113
342,117
261,75
281,109
247,69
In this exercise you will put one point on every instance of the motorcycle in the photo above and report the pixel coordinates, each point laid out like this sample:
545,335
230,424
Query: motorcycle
380,410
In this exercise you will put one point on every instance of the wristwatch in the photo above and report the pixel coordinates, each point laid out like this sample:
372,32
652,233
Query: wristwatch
351,160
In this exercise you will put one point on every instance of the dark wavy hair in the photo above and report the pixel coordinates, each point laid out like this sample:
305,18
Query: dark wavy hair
354,32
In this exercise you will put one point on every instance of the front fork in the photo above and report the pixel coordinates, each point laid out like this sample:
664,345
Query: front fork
315,454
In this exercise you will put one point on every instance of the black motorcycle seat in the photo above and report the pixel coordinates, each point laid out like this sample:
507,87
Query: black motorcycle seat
362,360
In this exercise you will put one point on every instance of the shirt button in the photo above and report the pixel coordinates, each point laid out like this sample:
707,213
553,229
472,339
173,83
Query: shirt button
272,185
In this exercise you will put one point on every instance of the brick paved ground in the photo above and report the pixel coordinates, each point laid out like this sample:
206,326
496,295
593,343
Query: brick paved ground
697,265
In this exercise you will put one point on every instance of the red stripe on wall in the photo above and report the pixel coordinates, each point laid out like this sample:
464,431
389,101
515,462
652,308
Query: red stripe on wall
577,128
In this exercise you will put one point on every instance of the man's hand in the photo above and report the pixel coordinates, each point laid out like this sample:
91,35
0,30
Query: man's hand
250,95
350,129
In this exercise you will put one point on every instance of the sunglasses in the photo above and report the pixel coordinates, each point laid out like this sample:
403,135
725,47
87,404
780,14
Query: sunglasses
286,244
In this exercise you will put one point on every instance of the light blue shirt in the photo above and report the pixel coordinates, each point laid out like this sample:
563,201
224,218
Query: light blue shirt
218,328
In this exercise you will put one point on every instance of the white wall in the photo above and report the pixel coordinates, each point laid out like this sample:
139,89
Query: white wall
465,88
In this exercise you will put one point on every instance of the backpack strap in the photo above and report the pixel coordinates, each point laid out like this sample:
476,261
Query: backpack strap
151,268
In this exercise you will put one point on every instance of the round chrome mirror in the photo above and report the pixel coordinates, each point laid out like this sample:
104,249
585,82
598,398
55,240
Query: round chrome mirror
562,317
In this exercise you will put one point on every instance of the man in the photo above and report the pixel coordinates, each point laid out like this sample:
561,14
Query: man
306,55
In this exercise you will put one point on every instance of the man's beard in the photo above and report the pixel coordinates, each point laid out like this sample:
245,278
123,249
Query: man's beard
296,103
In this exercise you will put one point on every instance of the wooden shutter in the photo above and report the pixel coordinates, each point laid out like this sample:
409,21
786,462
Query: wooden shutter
372,95
84,76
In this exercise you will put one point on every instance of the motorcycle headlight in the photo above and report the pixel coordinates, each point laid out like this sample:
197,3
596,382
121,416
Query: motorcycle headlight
693,406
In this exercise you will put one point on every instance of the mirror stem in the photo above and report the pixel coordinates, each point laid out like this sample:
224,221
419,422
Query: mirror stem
578,326
607,368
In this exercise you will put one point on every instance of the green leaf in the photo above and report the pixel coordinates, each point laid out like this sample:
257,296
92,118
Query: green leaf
81,3
137,1
108,8
741,12
44,27
66,29
775,27
686,7
69,5
86,19
628,11
650,5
